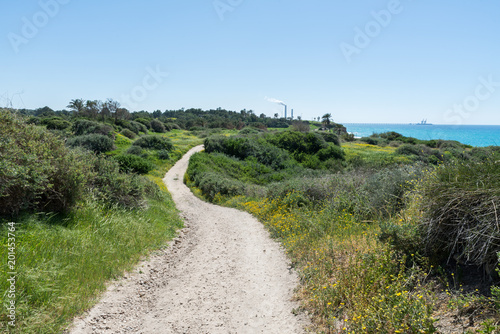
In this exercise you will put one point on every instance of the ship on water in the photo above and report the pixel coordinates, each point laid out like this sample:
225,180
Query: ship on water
423,122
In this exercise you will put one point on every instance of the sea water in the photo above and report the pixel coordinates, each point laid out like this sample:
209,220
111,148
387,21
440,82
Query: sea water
475,135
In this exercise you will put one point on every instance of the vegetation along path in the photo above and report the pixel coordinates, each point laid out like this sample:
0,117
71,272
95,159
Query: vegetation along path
223,274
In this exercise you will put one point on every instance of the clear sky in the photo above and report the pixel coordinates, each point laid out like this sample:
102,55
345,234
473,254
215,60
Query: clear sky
361,61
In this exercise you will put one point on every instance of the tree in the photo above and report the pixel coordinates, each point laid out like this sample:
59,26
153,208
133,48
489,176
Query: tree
112,106
93,108
156,114
276,115
326,120
77,106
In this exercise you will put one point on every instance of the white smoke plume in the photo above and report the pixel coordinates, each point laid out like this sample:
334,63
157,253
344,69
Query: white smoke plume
275,101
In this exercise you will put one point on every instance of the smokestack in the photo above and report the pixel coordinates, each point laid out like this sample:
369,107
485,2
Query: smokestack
285,111
292,114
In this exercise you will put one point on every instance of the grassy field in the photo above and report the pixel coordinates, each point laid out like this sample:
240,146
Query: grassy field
357,237
63,261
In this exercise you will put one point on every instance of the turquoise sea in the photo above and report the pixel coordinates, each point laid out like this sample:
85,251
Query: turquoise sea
475,135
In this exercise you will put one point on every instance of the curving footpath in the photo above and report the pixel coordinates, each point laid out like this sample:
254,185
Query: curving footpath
223,274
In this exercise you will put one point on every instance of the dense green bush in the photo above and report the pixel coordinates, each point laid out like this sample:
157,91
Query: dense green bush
298,142
85,127
135,150
371,140
56,123
163,155
154,142
130,163
331,152
249,131
157,126
37,172
330,137
144,121
242,148
137,127
112,187
407,149
93,142
128,133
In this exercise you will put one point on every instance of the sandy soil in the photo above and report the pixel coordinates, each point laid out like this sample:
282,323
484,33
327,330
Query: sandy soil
223,274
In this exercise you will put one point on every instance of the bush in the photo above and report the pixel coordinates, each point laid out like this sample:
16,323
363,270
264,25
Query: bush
371,140
37,172
129,134
112,187
163,155
154,142
144,121
137,127
243,148
332,152
56,123
407,149
93,142
157,126
460,212
298,142
249,131
330,137
130,163
86,127
136,150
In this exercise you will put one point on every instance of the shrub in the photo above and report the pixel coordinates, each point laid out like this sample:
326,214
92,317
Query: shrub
460,212
144,121
171,126
163,155
86,127
242,148
56,123
154,142
249,131
371,140
332,152
136,150
112,187
37,172
386,188
134,164
137,127
157,126
298,142
407,149
129,134
93,142
330,137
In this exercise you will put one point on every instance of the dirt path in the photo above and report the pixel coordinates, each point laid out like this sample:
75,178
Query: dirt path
223,274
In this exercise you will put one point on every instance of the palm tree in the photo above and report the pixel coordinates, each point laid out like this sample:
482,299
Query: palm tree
77,105
326,120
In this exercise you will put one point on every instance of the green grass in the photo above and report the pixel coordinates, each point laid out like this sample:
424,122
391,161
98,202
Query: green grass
65,262
371,155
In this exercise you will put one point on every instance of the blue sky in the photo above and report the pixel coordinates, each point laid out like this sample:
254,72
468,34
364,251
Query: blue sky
364,61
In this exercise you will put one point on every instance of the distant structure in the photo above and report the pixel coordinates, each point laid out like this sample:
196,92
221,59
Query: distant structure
423,122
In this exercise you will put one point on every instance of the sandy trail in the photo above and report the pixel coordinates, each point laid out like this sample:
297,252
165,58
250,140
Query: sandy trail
223,274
